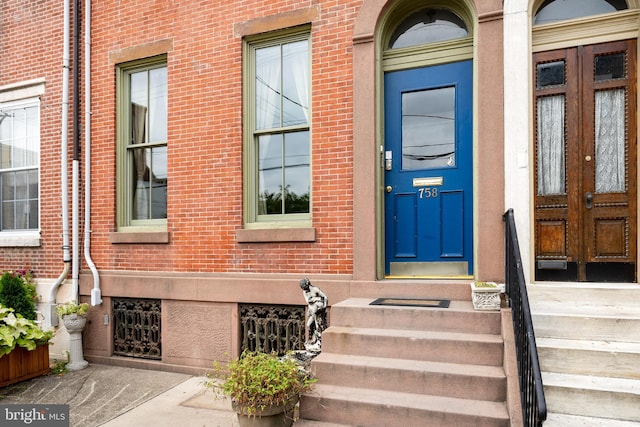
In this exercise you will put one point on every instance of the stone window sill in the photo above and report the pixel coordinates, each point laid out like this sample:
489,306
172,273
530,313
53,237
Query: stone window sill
270,235
119,237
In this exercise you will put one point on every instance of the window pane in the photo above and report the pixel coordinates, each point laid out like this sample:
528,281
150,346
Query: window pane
19,148
557,10
550,74
8,215
428,129
428,26
158,105
610,67
268,90
295,83
159,182
610,141
551,156
296,172
270,174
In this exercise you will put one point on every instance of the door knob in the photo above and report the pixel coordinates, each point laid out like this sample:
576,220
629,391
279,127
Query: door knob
589,200
389,188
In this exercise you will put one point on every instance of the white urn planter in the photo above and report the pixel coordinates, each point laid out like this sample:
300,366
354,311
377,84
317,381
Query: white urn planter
486,295
74,323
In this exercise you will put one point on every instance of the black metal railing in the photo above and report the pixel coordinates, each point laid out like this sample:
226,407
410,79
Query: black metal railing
534,406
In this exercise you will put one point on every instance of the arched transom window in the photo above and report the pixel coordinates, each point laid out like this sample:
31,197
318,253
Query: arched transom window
559,10
428,26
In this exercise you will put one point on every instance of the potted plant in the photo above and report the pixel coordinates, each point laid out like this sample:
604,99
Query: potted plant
264,388
74,317
24,348
486,295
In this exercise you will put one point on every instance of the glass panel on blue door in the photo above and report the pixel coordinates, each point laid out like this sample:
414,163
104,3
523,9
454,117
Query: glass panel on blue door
428,129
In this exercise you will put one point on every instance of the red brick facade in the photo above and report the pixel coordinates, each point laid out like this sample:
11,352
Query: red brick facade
211,262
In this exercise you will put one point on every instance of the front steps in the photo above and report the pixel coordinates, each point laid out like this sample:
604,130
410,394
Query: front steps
588,339
409,366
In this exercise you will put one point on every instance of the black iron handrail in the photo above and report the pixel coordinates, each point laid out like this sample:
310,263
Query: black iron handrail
534,406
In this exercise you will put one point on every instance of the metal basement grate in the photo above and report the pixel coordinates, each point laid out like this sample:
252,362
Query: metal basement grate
272,328
136,328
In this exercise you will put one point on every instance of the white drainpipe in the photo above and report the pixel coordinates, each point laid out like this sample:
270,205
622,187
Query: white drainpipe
96,296
63,168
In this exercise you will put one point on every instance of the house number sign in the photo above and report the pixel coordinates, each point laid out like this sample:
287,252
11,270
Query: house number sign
428,192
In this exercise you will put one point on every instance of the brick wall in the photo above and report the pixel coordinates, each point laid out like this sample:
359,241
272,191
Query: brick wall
205,137
31,35
205,133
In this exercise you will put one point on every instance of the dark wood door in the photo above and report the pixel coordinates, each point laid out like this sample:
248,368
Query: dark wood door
585,162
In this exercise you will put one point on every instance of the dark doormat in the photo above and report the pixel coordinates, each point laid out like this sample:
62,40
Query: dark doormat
412,302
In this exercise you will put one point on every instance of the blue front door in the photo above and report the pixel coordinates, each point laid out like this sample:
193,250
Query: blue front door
428,171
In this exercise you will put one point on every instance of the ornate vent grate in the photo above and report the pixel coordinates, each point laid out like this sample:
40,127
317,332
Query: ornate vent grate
136,328
272,328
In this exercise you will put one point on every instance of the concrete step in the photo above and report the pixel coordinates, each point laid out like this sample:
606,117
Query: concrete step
408,288
590,327
458,317
602,397
435,346
462,381
380,408
563,295
564,420
599,358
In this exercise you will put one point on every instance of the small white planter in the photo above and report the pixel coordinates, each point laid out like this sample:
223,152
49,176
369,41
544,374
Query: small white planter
486,297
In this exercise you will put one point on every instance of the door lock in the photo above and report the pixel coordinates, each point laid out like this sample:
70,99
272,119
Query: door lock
589,200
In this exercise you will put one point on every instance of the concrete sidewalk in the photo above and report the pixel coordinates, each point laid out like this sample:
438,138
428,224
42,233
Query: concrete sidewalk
113,396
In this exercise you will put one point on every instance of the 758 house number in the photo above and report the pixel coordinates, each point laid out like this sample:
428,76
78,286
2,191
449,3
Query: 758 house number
427,192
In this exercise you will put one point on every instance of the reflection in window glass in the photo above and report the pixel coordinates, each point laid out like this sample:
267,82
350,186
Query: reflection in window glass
428,129
283,173
281,85
281,145
550,74
558,10
610,66
428,26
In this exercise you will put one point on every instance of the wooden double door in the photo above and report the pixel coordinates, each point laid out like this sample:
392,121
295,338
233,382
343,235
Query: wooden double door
585,163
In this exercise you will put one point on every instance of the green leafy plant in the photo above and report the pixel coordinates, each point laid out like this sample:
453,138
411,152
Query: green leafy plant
15,330
14,294
258,380
59,367
72,307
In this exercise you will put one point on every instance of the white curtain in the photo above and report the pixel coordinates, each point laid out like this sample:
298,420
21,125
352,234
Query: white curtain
299,62
141,189
268,88
551,152
610,141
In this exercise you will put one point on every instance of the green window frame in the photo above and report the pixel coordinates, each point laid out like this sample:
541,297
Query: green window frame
277,130
142,121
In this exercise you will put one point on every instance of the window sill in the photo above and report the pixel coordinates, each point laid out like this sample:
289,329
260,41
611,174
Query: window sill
119,237
268,235
22,240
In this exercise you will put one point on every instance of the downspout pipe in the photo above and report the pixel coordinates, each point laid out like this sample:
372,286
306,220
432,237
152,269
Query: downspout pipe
63,167
75,171
96,295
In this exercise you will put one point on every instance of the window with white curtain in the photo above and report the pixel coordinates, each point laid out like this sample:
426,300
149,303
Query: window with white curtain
278,133
19,165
